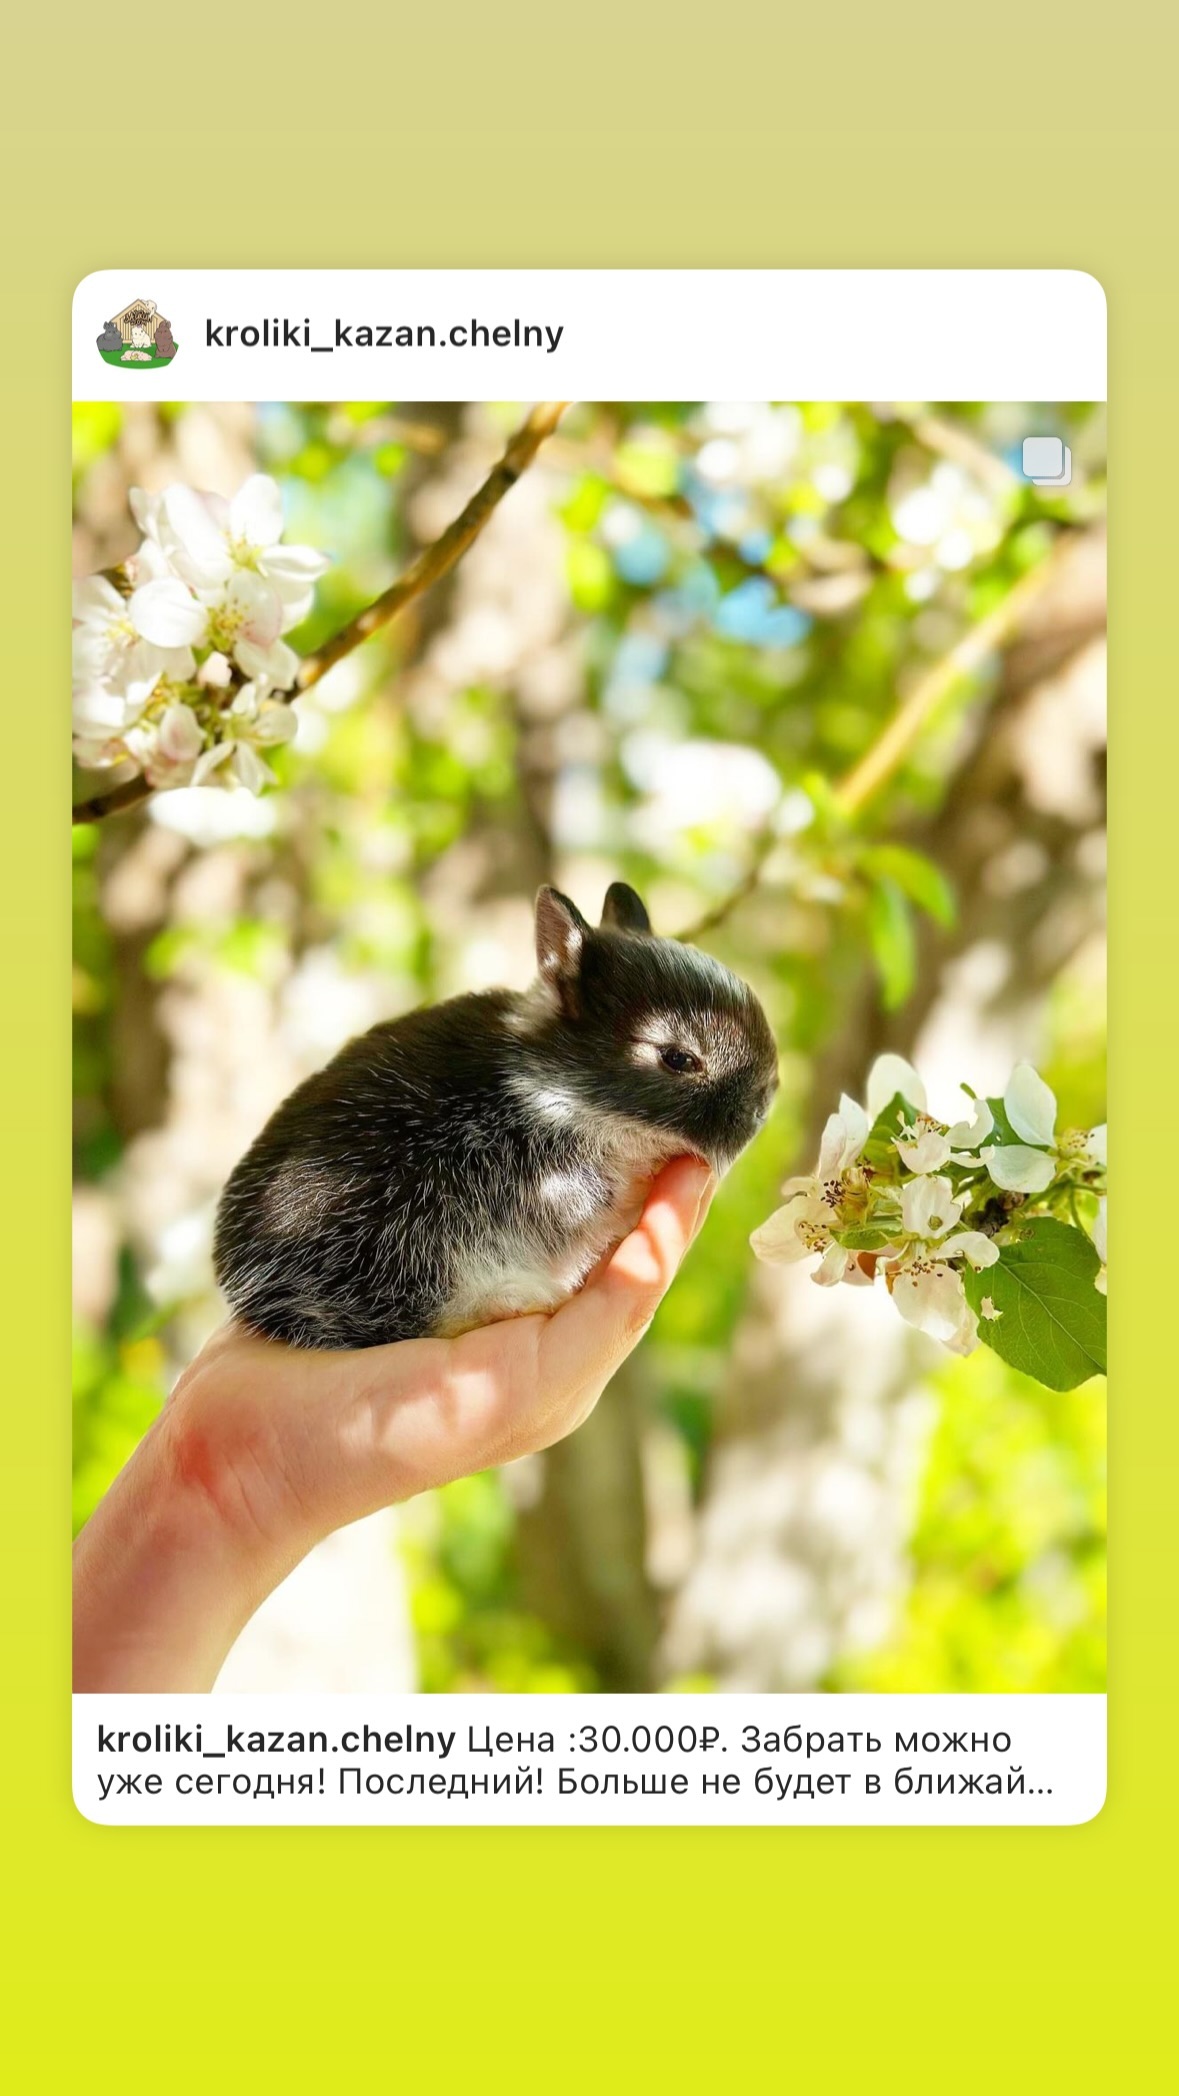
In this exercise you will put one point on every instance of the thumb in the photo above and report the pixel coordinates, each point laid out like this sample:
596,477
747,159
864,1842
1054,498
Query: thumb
589,1336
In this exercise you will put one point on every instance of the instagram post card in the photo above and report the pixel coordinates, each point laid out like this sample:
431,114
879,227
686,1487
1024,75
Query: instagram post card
589,1006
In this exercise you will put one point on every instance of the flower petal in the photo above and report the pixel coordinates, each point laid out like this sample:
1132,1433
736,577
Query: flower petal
145,509
1095,1146
277,666
831,1147
255,513
891,1074
168,614
856,1123
93,654
928,1207
832,1267
180,738
294,564
193,536
276,723
971,1245
778,1240
210,761
249,769
927,1153
296,603
255,602
216,671
1030,1105
97,600
967,1135
99,711
934,1301
148,563
1019,1170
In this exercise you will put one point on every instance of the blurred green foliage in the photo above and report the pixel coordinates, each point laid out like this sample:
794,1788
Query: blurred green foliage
746,596
1008,1548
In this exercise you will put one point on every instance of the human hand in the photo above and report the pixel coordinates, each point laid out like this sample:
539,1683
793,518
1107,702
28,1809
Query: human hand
264,1449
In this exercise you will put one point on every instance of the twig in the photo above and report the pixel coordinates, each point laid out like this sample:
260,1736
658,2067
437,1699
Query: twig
115,801
430,566
892,746
744,887
436,560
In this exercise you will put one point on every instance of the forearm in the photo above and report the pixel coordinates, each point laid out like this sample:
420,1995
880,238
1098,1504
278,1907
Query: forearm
163,1583
262,1450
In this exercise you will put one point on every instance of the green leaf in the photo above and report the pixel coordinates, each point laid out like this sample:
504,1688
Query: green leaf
891,937
879,1151
1052,1325
1002,1132
867,1237
916,876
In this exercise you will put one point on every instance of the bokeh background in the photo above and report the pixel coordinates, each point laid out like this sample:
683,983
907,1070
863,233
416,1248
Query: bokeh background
681,635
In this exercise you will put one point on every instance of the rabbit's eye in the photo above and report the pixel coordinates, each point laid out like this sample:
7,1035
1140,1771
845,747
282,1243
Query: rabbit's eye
681,1060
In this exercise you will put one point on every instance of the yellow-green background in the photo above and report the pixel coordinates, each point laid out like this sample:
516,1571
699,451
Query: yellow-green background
551,1958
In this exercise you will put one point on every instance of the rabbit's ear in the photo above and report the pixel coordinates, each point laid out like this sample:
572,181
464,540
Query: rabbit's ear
561,933
623,910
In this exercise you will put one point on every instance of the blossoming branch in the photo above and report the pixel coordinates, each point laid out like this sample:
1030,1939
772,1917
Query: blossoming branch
989,1228
181,674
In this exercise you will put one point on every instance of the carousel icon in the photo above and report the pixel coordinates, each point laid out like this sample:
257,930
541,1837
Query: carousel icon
138,336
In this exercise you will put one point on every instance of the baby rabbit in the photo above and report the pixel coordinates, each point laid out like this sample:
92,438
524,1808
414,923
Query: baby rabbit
474,1160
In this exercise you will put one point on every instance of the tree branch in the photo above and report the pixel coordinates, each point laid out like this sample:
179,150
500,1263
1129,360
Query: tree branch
892,745
436,560
429,567
115,801
745,886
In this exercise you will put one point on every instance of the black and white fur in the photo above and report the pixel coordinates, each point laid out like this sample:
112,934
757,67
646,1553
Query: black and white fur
476,1159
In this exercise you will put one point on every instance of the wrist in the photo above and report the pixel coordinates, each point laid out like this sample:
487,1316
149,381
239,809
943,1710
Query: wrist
170,1566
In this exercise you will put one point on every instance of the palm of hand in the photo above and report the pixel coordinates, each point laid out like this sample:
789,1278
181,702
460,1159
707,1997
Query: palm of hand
290,1443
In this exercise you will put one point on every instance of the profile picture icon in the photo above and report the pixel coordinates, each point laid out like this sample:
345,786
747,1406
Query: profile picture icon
139,336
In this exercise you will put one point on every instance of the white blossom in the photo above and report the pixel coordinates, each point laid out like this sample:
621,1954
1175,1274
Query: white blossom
207,541
243,620
843,1138
921,1213
111,650
966,1136
169,752
1030,1166
182,676
1085,1146
1030,1106
889,1075
1020,1170
928,1207
972,1245
816,1204
925,1147
253,722
930,1295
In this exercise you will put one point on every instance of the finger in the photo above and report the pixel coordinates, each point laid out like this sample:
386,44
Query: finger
584,1342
